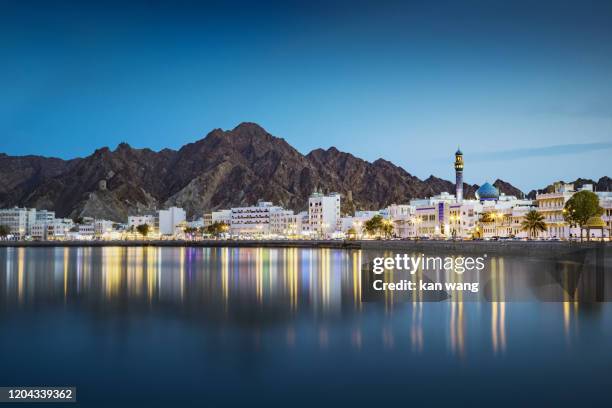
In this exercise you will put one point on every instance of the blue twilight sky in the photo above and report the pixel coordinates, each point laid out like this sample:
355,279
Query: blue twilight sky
524,87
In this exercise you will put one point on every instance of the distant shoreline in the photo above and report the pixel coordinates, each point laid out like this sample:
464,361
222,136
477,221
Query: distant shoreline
523,248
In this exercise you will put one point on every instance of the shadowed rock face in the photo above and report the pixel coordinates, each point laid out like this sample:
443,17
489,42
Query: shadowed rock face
226,168
508,189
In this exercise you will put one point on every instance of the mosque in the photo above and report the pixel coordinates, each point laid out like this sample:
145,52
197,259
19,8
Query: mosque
449,216
486,192
491,214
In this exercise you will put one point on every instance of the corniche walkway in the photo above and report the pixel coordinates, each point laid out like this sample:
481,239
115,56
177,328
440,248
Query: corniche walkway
523,248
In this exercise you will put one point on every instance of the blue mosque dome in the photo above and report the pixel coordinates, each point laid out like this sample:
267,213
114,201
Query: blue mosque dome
487,192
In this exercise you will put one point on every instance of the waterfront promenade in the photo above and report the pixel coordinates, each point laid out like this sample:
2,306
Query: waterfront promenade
523,248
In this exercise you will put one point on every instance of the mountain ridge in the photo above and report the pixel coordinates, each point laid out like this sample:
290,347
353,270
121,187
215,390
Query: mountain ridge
225,168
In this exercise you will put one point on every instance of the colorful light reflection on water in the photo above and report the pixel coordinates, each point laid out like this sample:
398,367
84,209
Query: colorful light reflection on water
233,325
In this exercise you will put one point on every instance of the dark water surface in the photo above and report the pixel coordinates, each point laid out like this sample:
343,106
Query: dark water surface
271,327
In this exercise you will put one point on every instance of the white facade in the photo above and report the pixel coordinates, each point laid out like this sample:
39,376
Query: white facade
136,220
444,219
366,215
284,222
324,213
59,228
253,220
442,197
302,223
346,223
199,223
605,201
207,220
39,230
170,219
102,227
403,217
397,211
222,216
86,230
45,216
18,220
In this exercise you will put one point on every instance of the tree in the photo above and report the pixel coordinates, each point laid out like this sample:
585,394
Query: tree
387,228
377,226
351,233
373,226
580,207
4,231
217,228
191,231
533,223
143,229
486,217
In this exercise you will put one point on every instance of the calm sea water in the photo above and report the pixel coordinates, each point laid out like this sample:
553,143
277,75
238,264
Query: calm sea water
270,327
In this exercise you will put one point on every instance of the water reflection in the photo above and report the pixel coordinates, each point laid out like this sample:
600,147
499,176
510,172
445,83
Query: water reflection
261,289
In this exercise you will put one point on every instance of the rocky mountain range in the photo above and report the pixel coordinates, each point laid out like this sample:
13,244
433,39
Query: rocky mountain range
224,169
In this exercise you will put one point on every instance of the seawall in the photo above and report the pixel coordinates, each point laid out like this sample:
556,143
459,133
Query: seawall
519,248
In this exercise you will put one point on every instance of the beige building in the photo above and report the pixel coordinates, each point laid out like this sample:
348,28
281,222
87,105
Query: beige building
551,206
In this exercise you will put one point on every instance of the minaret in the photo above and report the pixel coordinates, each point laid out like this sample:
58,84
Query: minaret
459,175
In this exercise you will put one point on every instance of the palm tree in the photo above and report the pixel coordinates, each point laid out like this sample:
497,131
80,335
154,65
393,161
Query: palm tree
533,223
387,228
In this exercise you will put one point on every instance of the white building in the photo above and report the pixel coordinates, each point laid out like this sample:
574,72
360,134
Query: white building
605,201
366,214
222,216
254,220
302,220
18,220
346,223
199,223
324,213
86,231
442,197
59,228
356,221
403,217
207,219
136,220
443,219
284,222
39,230
103,227
45,216
170,219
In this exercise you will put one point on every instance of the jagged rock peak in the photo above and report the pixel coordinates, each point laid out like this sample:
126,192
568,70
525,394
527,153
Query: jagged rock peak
249,127
123,146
